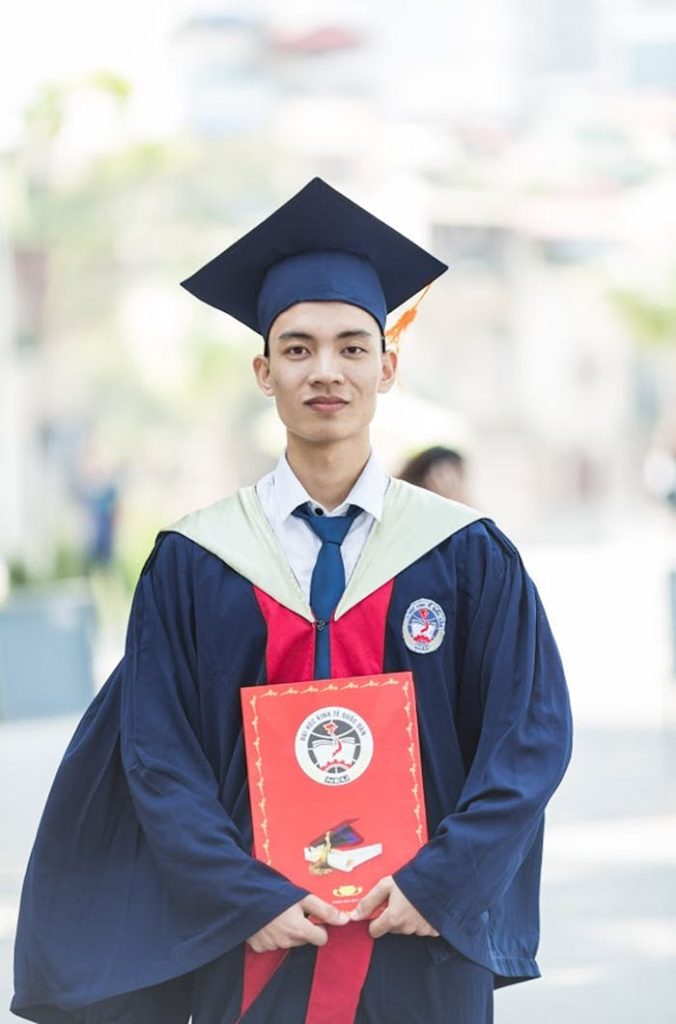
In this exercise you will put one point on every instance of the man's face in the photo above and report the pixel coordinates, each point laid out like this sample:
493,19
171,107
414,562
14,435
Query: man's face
325,368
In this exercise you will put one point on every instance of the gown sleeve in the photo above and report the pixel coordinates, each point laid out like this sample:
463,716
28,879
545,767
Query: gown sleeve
194,842
138,875
523,748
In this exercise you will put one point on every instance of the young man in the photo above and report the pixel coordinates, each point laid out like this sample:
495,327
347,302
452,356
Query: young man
142,903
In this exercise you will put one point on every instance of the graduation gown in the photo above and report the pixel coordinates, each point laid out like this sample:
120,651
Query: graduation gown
141,891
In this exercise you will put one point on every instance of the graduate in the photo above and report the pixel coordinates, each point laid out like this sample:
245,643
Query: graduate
142,903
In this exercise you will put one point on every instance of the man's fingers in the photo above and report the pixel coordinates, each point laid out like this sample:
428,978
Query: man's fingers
301,934
378,894
314,934
324,911
381,925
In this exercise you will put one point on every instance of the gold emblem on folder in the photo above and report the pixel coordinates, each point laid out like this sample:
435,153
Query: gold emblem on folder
348,890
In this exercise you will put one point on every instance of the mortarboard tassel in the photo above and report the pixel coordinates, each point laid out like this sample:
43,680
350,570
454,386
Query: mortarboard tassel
393,334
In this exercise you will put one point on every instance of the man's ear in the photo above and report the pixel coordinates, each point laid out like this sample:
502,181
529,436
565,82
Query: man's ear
261,369
388,375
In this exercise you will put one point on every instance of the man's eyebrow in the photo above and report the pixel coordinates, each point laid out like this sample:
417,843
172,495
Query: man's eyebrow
300,335
360,332
293,335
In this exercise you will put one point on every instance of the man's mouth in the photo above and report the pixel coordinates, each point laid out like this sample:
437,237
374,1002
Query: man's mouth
326,402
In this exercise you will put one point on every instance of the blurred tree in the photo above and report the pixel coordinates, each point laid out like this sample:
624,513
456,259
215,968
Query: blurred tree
87,234
650,321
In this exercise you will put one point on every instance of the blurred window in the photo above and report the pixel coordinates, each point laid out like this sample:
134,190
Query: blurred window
475,248
571,250
654,64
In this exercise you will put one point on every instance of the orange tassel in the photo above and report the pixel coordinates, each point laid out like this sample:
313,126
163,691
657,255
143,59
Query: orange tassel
393,334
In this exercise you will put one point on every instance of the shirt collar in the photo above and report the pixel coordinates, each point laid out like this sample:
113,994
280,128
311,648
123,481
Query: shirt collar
368,491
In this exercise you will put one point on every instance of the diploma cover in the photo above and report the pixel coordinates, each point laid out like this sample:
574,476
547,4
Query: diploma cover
335,781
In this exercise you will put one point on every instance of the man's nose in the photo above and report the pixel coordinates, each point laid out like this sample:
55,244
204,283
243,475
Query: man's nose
326,367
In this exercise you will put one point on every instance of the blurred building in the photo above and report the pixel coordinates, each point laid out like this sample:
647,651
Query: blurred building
478,134
24,533
221,65
646,40
530,144
10,447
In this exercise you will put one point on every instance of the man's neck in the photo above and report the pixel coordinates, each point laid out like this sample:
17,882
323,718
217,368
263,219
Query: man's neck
328,472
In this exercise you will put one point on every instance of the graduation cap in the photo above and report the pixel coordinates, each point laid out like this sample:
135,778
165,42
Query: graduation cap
318,246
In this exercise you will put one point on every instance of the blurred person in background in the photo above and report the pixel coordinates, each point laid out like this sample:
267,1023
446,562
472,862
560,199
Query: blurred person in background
96,487
142,903
437,469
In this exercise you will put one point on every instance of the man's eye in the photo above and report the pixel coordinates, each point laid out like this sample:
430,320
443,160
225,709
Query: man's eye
295,350
354,350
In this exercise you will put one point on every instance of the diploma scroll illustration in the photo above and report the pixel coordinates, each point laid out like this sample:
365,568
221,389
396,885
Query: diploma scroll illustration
338,848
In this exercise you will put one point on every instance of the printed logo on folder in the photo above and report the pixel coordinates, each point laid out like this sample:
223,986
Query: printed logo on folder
335,781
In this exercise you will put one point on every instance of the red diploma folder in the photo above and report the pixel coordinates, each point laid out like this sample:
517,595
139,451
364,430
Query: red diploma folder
335,781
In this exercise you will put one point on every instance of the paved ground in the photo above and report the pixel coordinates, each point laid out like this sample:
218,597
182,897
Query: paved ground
609,889
609,886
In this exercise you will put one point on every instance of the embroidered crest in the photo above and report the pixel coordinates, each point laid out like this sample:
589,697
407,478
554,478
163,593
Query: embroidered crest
424,626
334,746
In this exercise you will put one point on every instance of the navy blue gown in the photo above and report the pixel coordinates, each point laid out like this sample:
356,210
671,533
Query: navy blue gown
141,891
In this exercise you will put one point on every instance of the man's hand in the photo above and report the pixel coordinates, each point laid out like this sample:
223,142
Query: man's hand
399,916
292,928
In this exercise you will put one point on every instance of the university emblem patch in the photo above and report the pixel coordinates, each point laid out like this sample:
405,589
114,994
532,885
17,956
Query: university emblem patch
424,626
334,746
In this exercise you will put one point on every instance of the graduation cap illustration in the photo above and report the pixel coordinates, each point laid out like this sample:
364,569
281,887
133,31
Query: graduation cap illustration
318,246
339,836
339,849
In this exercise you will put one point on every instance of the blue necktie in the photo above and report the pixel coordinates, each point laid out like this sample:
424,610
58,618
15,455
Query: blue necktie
328,577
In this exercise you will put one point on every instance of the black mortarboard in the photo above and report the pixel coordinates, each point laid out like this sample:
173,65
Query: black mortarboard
317,246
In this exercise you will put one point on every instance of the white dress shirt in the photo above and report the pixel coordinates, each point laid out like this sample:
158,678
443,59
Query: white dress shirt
280,492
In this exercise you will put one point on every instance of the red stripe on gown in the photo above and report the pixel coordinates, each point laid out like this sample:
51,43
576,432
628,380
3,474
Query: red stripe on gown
339,975
357,648
358,637
258,971
290,647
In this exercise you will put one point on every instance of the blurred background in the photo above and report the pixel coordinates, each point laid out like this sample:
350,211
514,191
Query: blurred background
531,144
